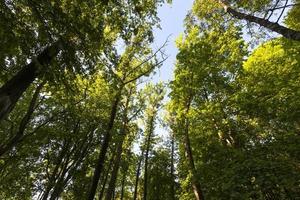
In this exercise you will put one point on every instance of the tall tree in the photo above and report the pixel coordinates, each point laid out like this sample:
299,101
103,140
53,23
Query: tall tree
127,71
265,8
155,95
236,113
71,33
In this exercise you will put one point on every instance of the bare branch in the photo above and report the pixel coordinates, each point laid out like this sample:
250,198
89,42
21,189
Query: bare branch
286,2
147,71
159,50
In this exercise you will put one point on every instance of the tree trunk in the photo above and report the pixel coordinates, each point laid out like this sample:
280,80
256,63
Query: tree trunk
172,168
13,89
52,179
71,163
104,147
25,120
101,193
114,175
123,185
138,171
195,183
282,30
113,179
148,143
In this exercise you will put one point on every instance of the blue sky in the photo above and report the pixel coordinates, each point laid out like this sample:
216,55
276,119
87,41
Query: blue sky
172,24
171,17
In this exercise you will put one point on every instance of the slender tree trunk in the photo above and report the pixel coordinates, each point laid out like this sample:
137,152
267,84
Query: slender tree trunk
69,171
195,183
148,143
114,194
282,30
101,193
73,160
59,186
114,174
104,147
13,89
138,171
52,179
123,185
172,168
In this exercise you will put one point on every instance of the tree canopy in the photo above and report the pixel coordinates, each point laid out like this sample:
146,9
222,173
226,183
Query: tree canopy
82,115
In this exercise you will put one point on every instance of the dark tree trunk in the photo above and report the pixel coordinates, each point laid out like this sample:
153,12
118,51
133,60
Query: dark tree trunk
106,175
148,143
52,179
13,89
172,168
72,161
114,175
195,183
69,160
138,171
123,185
59,186
25,120
282,30
104,147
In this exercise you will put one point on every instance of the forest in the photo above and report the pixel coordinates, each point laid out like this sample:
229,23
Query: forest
83,117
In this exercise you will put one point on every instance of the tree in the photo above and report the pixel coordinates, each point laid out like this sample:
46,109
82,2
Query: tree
127,71
207,64
205,9
161,180
237,114
70,32
155,95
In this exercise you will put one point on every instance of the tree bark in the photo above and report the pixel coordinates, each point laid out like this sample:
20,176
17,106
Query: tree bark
101,193
104,147
114,174
172,168
13,89
52,178
113,179
138,171
148,143
282,30
25,120
123,185
195,183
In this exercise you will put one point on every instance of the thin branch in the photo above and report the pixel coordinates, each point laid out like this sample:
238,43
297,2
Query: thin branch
272,10
159,50
42,20
285,6
286,2
147,71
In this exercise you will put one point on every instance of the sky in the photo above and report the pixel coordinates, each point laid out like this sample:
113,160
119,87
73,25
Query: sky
172,25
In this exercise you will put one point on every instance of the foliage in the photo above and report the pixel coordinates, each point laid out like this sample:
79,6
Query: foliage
232,112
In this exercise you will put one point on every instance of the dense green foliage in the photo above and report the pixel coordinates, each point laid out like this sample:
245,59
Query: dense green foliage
87,126
242,113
